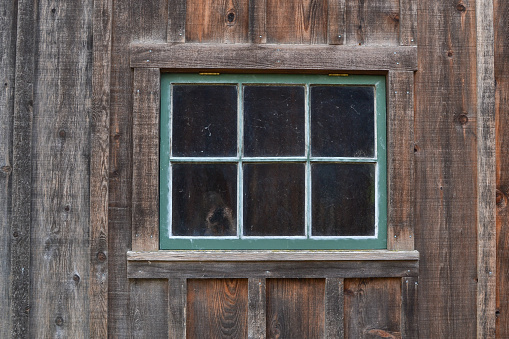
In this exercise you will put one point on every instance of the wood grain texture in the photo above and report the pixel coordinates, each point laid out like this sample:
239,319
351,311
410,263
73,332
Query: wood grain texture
295,308
372,22
501,33
258,21
336,22
446,169
408,22
297,22
217,308
334,308
400,148
60,171
364,301
176,21
409,308
273,57
150,21
257,312
177,308
99,169
222,21
145,198
8,13
148,309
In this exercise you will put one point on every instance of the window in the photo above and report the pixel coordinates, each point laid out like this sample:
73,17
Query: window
273,161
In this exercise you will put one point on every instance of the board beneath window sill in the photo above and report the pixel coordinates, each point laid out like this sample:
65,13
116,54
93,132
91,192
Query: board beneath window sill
272,264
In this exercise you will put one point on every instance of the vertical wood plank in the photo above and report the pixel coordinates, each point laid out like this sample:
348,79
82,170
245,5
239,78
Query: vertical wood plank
176,21
400,148
217,308
150,20
486,172
364,301
148,308
222,21
258,21
146,99
295,308
99,169
257,319
336,22
177,305
408,22
409,308
297,22
334,308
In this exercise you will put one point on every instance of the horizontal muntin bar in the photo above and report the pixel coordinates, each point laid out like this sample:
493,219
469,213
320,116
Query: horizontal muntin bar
272,159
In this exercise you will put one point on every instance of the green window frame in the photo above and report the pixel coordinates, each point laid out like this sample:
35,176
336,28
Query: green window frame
308,241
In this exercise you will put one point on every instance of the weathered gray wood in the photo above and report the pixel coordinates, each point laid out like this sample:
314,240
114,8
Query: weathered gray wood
203,256
486,172
272,57
177,306
149,20
148,308
272,269
145,199
60,261
336,22
257,303
99,169
409,308
257,21
408,22
176,21
400,149
334,308
20,244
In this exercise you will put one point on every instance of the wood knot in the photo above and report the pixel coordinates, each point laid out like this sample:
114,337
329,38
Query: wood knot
7,169
501,199
460,7
463,119
450,54
101,257
230,17
59,321
62,133
76,278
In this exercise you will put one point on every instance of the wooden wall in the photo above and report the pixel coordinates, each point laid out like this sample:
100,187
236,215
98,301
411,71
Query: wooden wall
66,167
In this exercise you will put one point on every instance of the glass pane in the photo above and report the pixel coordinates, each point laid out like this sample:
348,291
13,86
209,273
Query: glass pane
273,120
204,120
204,199
342,121
343,199
274,199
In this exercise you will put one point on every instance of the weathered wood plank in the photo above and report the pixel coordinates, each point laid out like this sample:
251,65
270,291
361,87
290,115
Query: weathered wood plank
257,316
145,198
60,176
148,308
373,22
99,169
336,22
257,21
408,22
177,306
364,301
176,21
222,21
273,57
334,308
409,308
295,308
150,20
217,308
400,148
297,22
446,169
272,269
8,11
203,256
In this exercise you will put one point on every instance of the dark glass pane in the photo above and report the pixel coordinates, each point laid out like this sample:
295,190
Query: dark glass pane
343,199
204,120
342,121
273,120
274,199
204,199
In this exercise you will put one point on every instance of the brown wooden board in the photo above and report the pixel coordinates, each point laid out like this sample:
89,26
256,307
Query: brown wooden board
408,22
501,13
297,22
372,308
225,21
176,21
148,309
257,313
409,308
60,177
177,303
217,308
372,22
446,169
295,308
336,22
257,21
